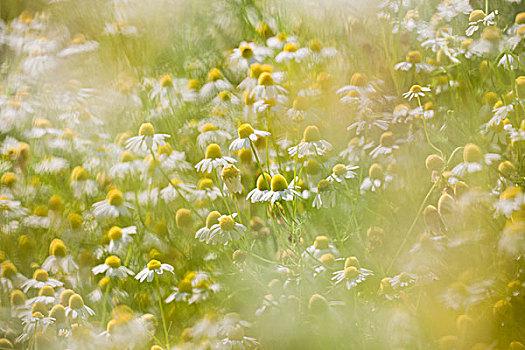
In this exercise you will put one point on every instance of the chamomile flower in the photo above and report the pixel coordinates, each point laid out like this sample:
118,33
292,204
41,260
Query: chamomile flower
213,159
325,197
10,277
78,45
341,172
112,268
279,41
416,91
46,296
81,184
216,83
290,53
477,19
77,309
182,292
203,234
280,190
387,145
247,135
209,133
231,177
237,340
414,61
226,230
112,207
353,274
206,190
58,259
146,140
175,189
39,219
40,280
266,88
320,247
473,161
403,280
34,324
311,145
368,120
261,190
120,237
154,267
375,180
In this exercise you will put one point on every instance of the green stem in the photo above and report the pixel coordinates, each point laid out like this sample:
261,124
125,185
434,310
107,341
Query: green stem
162,313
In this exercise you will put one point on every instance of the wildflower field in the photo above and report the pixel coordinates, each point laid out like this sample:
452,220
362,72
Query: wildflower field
262,174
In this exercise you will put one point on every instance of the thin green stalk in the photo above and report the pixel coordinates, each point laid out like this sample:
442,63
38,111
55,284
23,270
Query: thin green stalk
162,313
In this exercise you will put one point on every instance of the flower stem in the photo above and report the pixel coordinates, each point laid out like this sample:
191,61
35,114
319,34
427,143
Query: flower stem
162,313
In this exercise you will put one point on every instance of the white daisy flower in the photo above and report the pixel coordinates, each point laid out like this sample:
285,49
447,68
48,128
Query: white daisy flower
261,190
146,140
325,197
352,273
112,207
478,18
266,89
414,60
112,268
247,135
416,91
213,159
120,237
59,260
290,53
153,267
76,308
216,83
312,145
280,190
40,280
226,230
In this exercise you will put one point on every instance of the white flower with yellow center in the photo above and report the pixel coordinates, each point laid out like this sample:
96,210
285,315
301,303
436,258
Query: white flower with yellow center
146,140
416,91
174,189
353,274
290,53
387,144
246,54
277,42
231,176
206,190
478,18
154,267
266,88
40,280
261,189
81,184
247,135
216,83
203,234
209,133
112,268
340,172
213,159
58,259
112,207
280,190
78,45
226,230
325,197
77,309
311,145
120,237
414,61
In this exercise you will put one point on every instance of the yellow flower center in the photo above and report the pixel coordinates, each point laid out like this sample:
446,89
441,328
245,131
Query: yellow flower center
266,79
520,18
279,183
204,184
58,312
208,127
154,264
491,33
55,203
115,197
40,210
58,248
166,81
8,179
40,275
213,151
245,130
416,89
290,47
376,171
18,298
146,129
127,157
183,218
476,15
76,302
262,182
351,272
225,96
193,84
434,162
414,57
212,218
226,223
327,259
246,51
230,171
46,291
75,220
214,74
112,261
315,45
321,242
115,233
339,169
8,270
185,286
324,186
387,139
472,153
351,261
311,134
